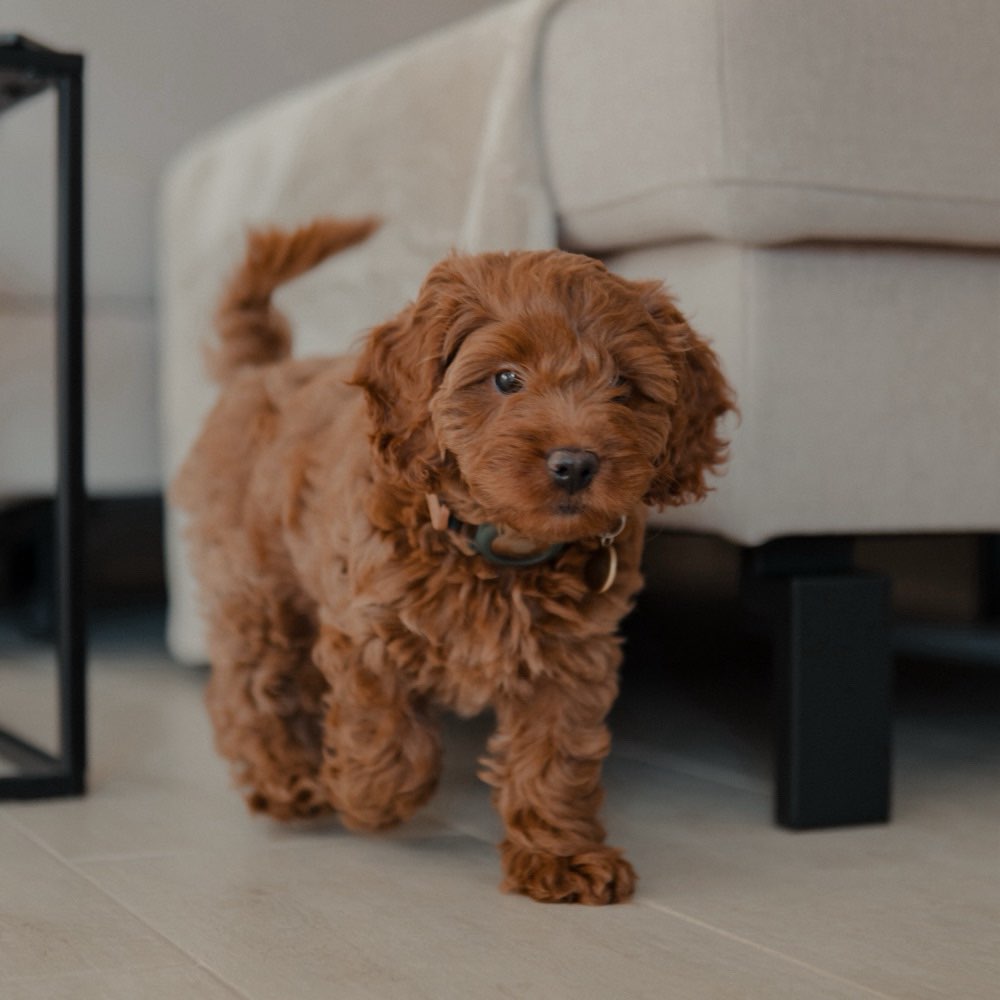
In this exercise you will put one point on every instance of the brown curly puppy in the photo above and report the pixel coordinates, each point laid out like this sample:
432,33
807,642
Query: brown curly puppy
453,518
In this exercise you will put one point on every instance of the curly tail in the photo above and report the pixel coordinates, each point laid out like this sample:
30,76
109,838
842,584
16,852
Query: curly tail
251,331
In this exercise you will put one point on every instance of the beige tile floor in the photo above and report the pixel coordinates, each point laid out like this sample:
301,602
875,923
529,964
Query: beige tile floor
158,885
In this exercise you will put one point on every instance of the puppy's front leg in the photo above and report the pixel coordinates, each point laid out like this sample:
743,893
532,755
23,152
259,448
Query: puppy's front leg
546,769
381,752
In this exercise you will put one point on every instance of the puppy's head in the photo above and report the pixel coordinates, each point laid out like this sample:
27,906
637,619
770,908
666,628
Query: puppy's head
548,393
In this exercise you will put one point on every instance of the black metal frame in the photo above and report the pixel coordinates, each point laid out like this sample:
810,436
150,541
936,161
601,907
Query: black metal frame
26,69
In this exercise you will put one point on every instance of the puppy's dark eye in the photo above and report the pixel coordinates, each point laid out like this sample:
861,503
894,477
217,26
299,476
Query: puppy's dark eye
622,388
508,382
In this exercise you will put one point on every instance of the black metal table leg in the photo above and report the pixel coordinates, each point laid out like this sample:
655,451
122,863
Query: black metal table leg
27,68
70,494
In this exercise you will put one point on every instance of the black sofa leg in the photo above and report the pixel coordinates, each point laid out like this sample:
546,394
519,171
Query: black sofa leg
833,668
989,577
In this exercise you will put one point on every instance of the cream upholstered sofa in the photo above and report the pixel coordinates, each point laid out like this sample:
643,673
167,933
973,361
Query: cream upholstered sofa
814,179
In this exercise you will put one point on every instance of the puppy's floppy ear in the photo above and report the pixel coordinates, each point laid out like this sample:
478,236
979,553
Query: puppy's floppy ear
401,367
694,447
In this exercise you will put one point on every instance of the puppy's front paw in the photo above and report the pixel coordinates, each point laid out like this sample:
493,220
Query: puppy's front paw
596,876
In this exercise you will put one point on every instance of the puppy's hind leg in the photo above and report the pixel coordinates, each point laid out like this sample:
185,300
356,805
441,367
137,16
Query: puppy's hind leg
382,753
265,701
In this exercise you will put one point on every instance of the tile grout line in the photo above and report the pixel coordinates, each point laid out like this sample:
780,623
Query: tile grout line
104,891
773,952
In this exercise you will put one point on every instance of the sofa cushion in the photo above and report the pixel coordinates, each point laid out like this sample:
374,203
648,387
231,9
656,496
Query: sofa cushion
770,121
866,378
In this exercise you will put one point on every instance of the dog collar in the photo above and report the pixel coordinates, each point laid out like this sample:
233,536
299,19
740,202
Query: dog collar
481,537
482,542
600,571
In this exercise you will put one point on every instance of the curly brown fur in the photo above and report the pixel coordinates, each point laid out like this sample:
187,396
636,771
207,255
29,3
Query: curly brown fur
340,611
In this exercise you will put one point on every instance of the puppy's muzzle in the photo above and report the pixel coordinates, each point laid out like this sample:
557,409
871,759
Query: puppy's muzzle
572,469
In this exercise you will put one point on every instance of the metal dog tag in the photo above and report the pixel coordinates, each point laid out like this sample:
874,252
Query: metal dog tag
601,569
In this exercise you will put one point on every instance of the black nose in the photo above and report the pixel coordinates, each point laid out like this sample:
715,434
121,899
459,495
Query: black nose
572,469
